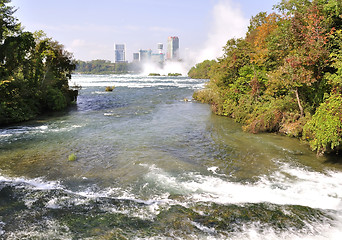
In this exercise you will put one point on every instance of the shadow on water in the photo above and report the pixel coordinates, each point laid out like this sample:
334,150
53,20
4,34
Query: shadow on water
41,118
334,158
253,155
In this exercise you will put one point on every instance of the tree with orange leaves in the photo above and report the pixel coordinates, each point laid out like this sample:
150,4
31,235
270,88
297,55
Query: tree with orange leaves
304,65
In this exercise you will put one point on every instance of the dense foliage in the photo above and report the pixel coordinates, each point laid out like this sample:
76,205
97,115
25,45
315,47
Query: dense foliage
201,70
34,71
324,130
106,67
285,74
95,67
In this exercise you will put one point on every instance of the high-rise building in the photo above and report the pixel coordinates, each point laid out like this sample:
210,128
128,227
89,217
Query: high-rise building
119,53
145,55
173,48
157,57
160,48
136,57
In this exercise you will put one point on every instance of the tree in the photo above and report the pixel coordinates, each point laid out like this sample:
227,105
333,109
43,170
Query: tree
236,55
8,23
324,130
255,22
334,77
34,71
291,7
305,63
95,67
201,70
261,28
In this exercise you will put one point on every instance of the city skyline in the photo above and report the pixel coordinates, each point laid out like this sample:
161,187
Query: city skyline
89,29
172,52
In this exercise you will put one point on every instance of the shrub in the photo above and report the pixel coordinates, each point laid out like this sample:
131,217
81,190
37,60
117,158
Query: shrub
205,95
269,115
109,89
201,70
211,95
17,103
174,74
154,74
55,100
324,130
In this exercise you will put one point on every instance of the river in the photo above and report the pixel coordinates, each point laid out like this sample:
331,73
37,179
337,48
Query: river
153,164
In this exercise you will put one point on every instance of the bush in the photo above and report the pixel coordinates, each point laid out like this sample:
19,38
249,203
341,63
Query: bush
109,89
211,95
16,102
55,100
201,70
154,74
269,114
205,95
174,74
324,130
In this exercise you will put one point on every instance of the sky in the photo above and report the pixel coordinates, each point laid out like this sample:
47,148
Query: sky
89,29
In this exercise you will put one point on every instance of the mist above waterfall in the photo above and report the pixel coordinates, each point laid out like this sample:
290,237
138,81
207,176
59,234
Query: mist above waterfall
227,21
166,68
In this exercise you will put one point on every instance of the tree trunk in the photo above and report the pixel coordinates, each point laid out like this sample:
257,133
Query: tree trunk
299,104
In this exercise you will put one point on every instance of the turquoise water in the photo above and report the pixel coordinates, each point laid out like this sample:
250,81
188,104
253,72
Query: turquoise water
152,164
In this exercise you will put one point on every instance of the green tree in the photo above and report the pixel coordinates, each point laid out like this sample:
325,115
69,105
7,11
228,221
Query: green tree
324,130
334,77
305,63
236,55
34,72
201,70
291,7
8,24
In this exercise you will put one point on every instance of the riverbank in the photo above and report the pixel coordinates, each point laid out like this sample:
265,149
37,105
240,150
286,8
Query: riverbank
277,79
275,116
24,109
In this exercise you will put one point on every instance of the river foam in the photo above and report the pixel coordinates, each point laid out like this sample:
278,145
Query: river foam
290,186
136,81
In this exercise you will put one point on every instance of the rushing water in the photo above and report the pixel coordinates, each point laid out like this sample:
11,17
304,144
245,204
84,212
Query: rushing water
152,165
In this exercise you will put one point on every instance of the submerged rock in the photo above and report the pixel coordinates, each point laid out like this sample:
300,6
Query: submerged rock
72,157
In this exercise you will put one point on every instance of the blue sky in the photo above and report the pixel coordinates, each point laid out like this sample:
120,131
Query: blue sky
89,29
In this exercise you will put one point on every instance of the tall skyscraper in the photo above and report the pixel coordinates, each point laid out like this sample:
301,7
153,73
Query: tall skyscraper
173,48
160,48
145,55
136,57
119,53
